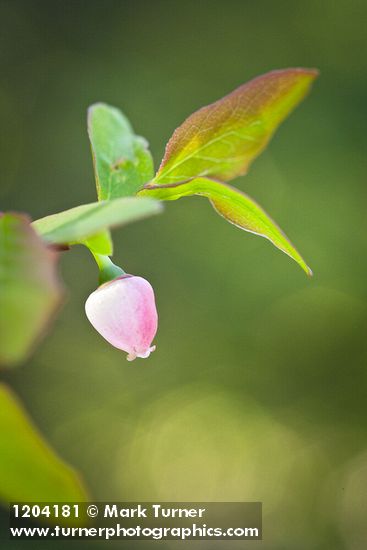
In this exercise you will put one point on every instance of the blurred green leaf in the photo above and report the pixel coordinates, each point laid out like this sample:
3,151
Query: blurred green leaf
122,161
222,139
79,224
29,287
30,470
233,205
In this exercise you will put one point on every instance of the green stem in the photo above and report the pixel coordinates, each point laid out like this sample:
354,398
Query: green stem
107,269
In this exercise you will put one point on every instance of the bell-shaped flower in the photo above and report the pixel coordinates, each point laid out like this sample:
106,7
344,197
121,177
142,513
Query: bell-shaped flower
123,311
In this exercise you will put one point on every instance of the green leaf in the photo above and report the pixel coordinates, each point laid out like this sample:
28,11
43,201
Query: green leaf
29,287
122,161
78,224
233,205
222,139
30,470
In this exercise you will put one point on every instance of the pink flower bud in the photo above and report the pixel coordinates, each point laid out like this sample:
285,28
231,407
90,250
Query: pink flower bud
123,311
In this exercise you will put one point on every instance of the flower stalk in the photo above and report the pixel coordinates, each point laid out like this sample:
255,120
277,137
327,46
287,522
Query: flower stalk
107,269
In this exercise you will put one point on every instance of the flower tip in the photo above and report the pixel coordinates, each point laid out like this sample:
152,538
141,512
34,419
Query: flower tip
143,355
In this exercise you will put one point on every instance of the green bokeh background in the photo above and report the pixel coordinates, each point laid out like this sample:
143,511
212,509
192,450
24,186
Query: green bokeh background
257,390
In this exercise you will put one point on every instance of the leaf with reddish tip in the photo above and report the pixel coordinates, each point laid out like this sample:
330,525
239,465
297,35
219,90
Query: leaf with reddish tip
30,290
233,205
30,470
222,139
